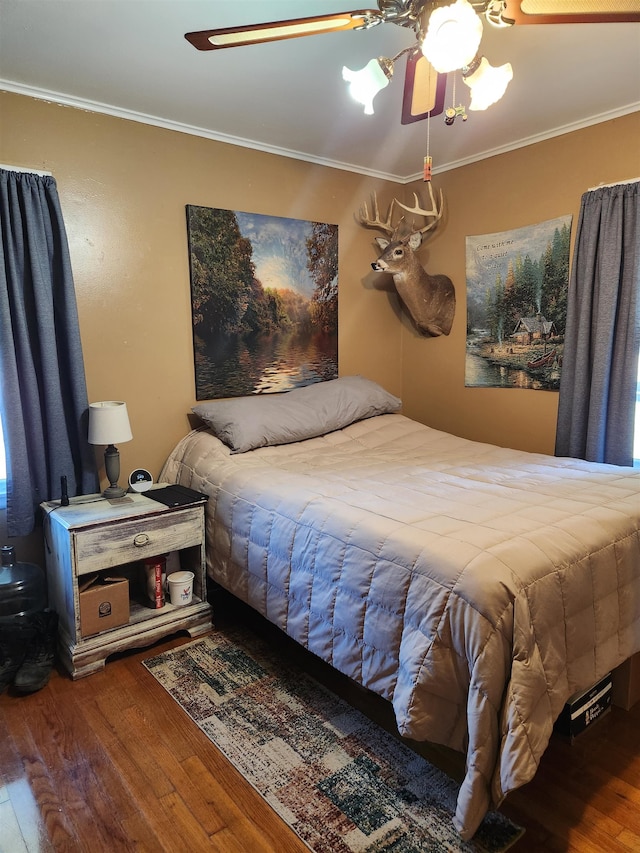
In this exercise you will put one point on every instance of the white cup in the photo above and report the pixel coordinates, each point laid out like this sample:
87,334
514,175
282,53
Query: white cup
180,588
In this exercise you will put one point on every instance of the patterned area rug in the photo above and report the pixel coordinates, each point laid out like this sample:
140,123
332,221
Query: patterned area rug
342,783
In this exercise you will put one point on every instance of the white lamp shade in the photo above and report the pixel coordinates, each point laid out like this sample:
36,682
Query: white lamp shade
109,423
453,36
366,83
488,84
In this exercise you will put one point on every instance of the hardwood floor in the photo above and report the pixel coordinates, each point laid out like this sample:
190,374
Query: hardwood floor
111,763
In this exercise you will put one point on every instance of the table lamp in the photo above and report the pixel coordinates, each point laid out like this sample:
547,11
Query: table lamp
108,424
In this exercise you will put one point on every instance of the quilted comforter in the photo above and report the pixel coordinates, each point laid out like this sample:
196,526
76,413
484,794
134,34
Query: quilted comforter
474,587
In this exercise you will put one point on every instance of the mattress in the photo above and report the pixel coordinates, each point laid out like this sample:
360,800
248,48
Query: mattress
474,587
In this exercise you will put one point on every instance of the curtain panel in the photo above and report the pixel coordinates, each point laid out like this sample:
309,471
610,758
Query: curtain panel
42,381
596,407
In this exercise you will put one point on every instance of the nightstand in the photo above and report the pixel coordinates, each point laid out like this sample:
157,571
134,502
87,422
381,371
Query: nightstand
113,537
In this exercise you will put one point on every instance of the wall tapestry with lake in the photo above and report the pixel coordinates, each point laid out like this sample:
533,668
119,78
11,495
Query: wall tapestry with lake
517,283
264,297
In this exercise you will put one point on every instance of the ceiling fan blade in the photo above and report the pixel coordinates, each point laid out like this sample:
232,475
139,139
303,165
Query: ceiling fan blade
276,30
424,89
571,11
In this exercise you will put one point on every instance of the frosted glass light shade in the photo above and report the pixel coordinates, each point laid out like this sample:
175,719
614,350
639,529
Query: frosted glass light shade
365,84
487,84
109,423
453,36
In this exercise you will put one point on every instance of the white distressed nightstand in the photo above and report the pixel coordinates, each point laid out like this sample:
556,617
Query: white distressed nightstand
93,534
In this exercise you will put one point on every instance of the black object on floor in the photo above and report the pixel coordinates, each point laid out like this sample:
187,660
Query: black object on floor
37,664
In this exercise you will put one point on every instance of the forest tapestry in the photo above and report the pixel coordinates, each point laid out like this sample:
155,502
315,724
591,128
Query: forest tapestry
264,296
517,284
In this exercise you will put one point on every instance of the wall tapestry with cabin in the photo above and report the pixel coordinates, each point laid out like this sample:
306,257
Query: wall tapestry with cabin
517,283
264,296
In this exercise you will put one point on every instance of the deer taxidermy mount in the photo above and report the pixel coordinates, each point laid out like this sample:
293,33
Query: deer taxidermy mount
429,299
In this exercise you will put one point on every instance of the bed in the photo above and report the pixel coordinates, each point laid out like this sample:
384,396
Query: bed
474,587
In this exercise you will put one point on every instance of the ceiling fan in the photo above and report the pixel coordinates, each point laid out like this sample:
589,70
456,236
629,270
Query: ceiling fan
425,76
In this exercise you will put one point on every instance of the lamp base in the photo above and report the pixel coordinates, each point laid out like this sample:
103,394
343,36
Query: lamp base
114,492
112,468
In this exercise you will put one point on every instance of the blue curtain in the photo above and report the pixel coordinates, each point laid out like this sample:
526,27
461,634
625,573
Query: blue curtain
43,396
600,367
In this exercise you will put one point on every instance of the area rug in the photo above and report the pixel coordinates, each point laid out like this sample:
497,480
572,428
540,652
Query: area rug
342,783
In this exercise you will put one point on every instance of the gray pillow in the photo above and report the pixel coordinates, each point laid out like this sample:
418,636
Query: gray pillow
244,423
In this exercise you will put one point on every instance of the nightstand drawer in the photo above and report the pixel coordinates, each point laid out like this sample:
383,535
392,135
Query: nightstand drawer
127,541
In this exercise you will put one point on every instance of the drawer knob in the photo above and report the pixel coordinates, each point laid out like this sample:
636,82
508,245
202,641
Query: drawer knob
140,540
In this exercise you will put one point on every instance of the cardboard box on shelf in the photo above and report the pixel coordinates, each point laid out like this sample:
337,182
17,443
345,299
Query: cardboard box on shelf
104,604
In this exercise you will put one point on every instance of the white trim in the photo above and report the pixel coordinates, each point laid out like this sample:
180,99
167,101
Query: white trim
531,140
614,184
25,170
118,112
167,124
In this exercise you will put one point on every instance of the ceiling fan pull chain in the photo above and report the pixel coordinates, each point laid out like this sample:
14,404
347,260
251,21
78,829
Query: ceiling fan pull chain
426,170
452,112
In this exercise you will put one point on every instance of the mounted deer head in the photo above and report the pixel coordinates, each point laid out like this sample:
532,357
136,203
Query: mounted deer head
429,299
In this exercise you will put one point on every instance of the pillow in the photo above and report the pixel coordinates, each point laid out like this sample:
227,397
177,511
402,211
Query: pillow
244,423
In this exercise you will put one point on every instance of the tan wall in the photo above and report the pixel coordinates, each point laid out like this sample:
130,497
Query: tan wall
124,187
523,187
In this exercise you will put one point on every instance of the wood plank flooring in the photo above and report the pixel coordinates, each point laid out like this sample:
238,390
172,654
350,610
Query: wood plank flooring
111,763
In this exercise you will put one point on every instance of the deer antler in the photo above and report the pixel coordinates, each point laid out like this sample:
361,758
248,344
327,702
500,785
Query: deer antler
419,211
375,221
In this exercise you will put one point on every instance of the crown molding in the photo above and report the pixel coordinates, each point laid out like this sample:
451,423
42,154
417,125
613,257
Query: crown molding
155,121
532,140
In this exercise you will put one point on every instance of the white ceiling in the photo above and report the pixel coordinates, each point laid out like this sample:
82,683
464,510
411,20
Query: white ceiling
130,58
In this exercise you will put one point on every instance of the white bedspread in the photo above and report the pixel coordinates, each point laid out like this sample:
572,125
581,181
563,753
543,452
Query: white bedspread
474,587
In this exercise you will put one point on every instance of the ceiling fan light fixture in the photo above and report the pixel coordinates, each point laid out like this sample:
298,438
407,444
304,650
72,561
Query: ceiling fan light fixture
487,84
495,14
365,84
453,36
